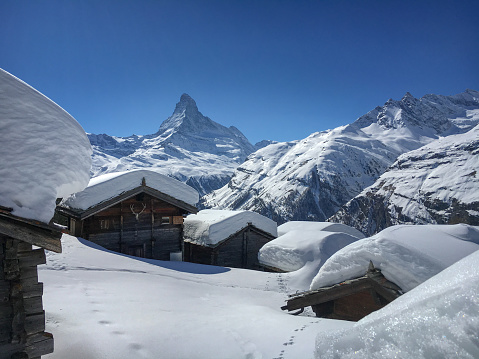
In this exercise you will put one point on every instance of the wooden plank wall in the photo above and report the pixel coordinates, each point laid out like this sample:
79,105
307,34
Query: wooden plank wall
239,251
117,228
22,318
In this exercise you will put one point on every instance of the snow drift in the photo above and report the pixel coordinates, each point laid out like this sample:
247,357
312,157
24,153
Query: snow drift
437,319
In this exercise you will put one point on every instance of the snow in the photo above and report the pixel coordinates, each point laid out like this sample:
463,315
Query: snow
318,226
304,247
437,319
210,227
45,153
407,255
105,187
101,304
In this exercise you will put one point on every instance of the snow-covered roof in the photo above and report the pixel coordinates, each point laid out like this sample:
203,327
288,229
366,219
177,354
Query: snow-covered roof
438,319
406,254
111,185
45,153
210,227
318,226
302,242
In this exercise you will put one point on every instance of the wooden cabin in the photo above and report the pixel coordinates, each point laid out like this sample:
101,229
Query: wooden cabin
142,221
349,300
22,318
233,238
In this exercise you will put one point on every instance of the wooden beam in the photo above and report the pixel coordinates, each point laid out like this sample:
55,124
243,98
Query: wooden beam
30,232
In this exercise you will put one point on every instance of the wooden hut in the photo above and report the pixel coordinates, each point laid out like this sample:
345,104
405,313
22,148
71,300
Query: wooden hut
227,238
349,300
22,318
142,215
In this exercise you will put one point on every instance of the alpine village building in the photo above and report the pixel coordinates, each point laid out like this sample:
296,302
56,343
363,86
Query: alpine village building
139,213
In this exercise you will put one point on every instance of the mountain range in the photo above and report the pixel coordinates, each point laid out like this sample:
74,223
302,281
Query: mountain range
188,146
308,179
311,179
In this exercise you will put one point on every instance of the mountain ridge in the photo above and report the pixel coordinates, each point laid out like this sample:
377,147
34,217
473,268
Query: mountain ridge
311,179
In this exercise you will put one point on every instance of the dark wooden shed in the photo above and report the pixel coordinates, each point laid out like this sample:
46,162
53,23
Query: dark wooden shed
143,222
22,318
349,300
244,233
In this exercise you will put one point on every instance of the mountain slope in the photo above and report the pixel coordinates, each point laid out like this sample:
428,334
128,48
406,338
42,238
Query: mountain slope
188,146
312,178
437,183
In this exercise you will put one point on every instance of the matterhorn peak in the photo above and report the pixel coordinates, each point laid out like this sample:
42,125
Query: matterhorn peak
186,103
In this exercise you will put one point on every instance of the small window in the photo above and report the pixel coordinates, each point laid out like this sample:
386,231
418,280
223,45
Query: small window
165,220
104,224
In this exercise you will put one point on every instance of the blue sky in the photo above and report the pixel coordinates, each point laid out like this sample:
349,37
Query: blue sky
276,70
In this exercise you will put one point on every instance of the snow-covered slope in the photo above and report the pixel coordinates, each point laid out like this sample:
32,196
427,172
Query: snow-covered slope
188,146
312,178
44,152
437,183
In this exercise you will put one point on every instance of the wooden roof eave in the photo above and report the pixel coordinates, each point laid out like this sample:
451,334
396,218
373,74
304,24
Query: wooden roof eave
34,232
372,280
83,214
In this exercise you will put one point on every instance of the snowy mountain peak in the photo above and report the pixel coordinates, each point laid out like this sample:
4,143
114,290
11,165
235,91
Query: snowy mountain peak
186,104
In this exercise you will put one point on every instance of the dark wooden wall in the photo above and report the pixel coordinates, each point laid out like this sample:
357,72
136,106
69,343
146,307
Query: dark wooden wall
238,251
154,234
22,319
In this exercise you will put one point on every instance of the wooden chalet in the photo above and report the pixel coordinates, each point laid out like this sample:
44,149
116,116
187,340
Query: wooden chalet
349,300
238,249
22,318
142,221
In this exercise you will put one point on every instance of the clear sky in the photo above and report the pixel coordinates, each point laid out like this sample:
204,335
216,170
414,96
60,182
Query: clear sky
275,69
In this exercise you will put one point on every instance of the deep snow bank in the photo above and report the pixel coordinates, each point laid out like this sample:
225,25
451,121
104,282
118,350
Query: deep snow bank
45,153
406,254
438,319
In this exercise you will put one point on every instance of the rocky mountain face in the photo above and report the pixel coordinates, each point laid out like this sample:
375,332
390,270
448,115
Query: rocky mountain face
312,178
437,183
188,146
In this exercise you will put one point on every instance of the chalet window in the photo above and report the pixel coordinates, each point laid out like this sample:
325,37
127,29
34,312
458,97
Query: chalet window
165,220
104,224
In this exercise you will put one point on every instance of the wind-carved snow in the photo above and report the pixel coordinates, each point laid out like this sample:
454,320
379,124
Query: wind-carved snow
188,146
110,185
437,183
45,153
311,179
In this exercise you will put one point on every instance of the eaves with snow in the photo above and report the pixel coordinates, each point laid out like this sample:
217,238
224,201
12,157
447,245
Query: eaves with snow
45,152
407,255
106,188
211,227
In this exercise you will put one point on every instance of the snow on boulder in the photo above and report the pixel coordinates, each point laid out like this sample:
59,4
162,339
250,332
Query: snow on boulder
406,254
45,153
210,227
302,242
108,186
437,319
